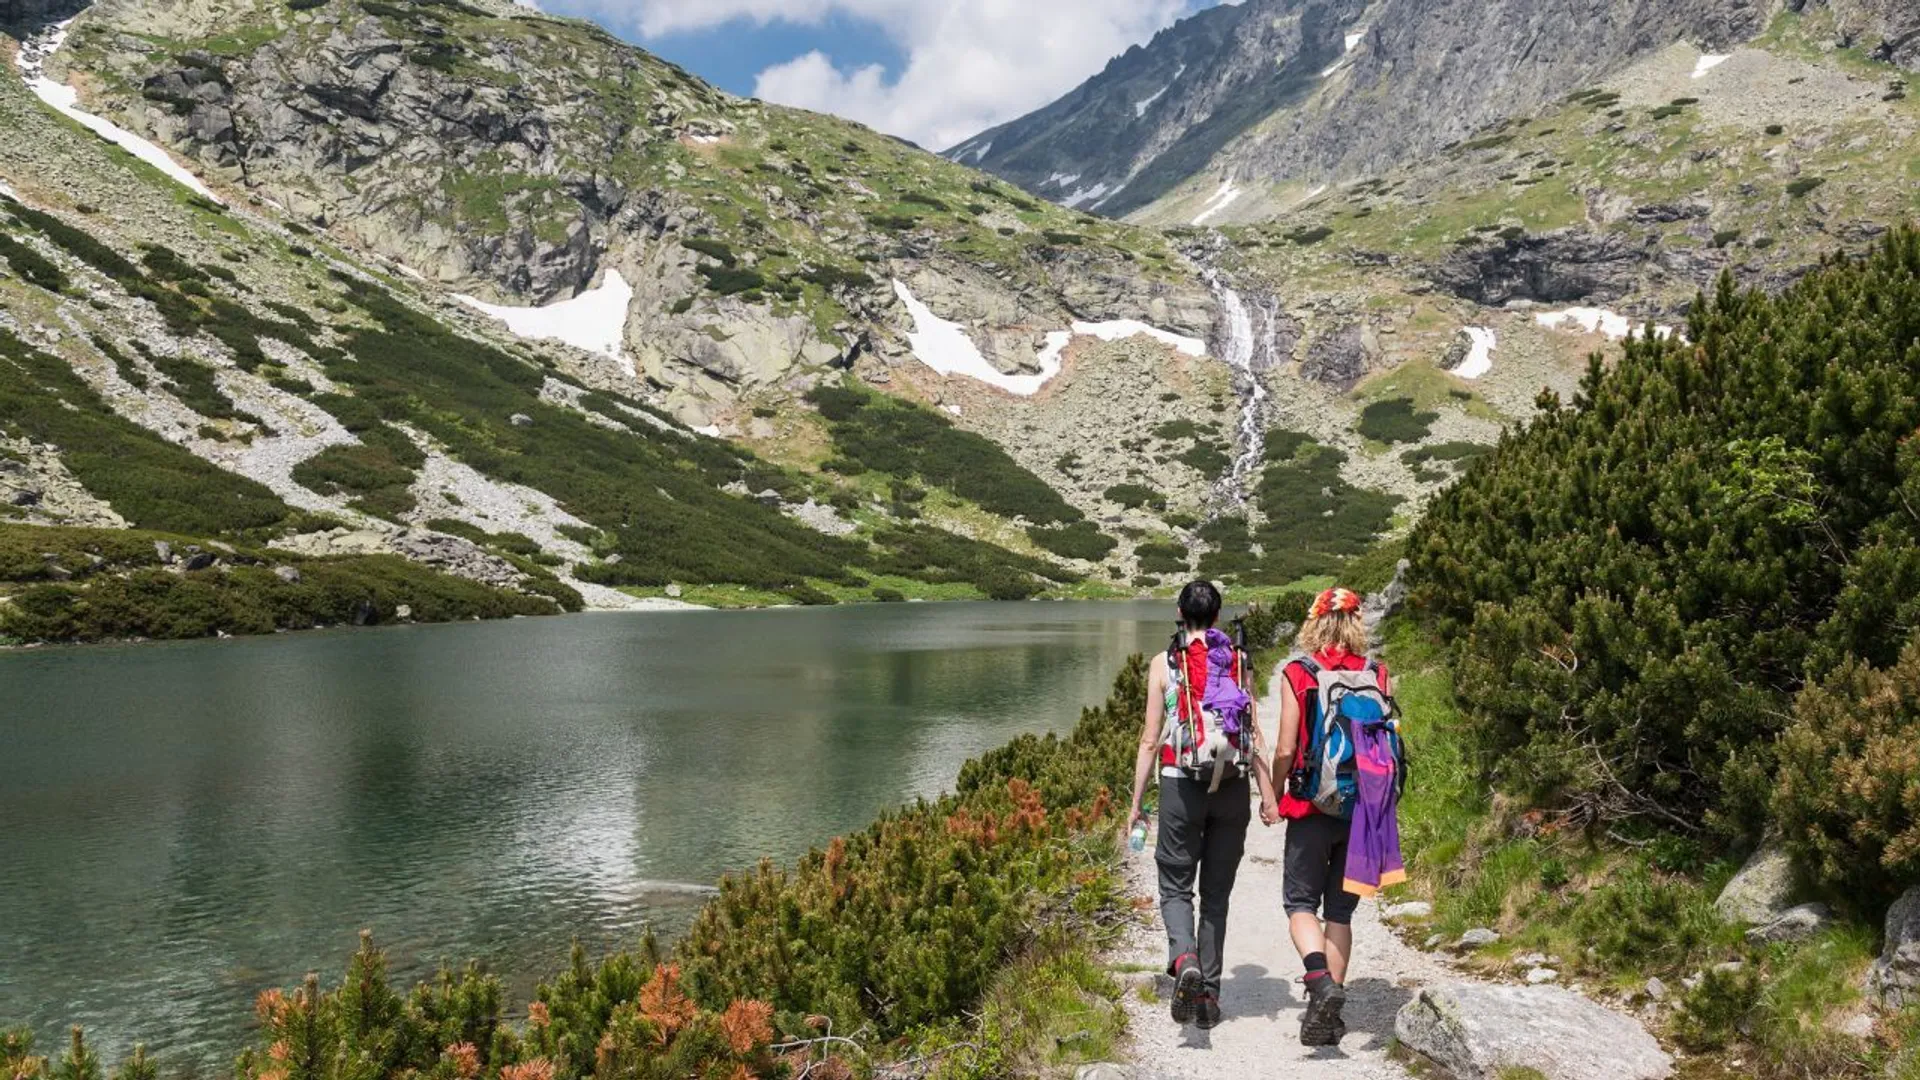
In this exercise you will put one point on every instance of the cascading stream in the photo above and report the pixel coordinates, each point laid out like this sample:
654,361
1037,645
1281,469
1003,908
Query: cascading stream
1242,350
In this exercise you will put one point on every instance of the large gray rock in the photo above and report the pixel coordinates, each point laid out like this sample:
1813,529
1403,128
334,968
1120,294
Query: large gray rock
1762,891
1793,924
1475,1032
1894,979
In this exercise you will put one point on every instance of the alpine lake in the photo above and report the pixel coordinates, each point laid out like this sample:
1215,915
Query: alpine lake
185,825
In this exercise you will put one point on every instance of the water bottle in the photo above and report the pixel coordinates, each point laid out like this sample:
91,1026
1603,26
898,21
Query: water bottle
1137,839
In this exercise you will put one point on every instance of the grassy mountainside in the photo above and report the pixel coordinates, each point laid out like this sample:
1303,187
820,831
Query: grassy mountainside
169,364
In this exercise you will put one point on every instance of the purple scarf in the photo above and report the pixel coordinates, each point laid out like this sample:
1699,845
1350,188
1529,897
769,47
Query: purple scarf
1223,696
1373,847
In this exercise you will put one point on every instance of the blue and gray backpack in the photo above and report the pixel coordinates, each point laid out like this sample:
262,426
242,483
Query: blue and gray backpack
1345,702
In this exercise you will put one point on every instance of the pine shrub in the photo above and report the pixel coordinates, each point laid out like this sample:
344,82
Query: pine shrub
1848,792
1637,585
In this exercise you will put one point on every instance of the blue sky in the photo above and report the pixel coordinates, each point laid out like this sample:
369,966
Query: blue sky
935,71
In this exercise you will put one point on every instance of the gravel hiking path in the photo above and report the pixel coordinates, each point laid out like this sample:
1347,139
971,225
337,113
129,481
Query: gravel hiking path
1261,996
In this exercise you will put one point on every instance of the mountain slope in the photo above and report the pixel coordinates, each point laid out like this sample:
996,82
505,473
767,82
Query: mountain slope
171,364
1290,93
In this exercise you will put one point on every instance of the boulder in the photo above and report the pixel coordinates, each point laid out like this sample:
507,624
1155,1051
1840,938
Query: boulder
1478,1032
199,561
1477,938
520,420
1894,979
1794,924
287,574
1412,909
164,552
1541,975
1763,889
1104,1070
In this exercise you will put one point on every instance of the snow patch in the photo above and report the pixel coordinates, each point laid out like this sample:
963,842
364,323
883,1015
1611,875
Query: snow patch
7,190
1081,195
1706,64
595,320
1121,329
1179,71
703,140
711,431
1596,321
982,152
1479,359
945,347
66,100
1221,200
1355,38
1062,179
1316,193
1108,197
1140,107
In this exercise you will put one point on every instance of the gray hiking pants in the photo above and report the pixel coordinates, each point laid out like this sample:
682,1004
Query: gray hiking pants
1202,837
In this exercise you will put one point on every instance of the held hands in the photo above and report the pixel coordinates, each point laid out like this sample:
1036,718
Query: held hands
1269,810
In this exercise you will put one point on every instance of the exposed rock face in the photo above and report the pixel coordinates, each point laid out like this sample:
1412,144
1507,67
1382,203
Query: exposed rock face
1889,30
1339,358
1270,91
1476,1032
1762,891
1572,266
1894,979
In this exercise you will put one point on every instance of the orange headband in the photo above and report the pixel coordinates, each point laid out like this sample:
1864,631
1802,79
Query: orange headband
1333,600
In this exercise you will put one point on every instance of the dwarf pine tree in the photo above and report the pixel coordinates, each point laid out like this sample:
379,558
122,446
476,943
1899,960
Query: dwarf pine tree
1638,583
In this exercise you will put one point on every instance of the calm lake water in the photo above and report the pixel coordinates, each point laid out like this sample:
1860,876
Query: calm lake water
184,825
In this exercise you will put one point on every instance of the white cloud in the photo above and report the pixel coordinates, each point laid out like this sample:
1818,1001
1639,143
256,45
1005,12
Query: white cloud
970,64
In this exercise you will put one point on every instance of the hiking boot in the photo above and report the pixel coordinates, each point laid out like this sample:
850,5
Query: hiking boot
1321,1025
1186,988
1207,1013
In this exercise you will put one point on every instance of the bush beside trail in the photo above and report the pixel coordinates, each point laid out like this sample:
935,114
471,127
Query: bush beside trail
1636,586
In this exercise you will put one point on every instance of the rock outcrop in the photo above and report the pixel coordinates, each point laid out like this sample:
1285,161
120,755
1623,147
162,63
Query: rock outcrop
1762,891
1894,978
1478,1032
1276,91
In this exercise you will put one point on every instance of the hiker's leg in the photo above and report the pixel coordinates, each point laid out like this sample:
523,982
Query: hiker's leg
1338,906
1339,950
1229,812
1177,855
1305,882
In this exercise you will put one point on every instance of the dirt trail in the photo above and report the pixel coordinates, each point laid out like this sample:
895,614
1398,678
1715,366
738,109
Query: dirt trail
1261,996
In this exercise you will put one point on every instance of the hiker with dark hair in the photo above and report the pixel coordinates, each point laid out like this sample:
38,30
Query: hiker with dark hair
1202,737
1339,738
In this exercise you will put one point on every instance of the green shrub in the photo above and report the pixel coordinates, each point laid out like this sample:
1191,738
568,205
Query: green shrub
1776,129
1805,185
1446,451
1725,236
714,249
1395,421
927,201
1307,237
151,482
729,281
1080,540
889,596
1162,558
1847,797
1134,496
1707,528
33,267
1666,111
908,441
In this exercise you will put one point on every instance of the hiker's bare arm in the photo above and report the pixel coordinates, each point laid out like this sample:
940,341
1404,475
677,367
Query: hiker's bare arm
1288,742
1149,733
1262,768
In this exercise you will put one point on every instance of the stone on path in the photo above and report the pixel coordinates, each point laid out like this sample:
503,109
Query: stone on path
1104,1070
1412,909
1477,938
1894,979
1762,891
1475,1032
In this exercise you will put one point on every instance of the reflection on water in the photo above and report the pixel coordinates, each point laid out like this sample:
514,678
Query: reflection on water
183,825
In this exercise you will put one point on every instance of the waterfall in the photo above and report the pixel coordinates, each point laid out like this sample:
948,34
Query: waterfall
1243,352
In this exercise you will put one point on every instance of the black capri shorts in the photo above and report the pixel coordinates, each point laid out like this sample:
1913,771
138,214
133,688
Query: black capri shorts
1316,869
